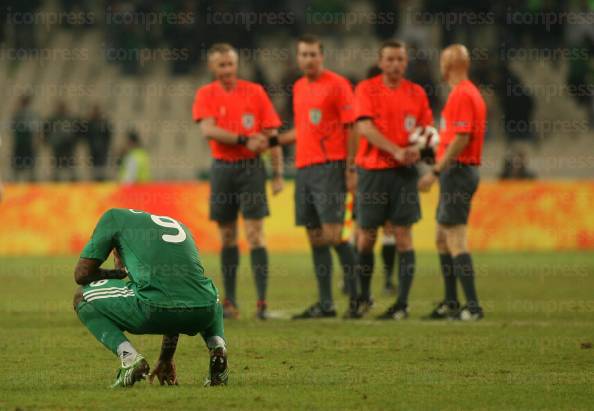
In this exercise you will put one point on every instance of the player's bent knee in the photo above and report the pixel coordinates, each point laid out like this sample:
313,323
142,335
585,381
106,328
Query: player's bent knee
78,297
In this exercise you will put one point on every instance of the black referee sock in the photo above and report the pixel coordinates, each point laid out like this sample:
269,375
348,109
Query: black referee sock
406,273
449,279
322,260
346,255
259,261
465,272
364,273
229,264
389,258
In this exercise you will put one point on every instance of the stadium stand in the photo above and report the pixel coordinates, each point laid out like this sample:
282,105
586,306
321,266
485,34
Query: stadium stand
156,102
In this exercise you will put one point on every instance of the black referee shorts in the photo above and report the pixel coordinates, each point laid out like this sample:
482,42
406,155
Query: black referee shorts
320,194
238,186
387,195
457,185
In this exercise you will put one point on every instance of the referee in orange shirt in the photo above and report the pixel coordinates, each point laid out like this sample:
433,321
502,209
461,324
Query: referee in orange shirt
325,148
238,119
388,108
463,124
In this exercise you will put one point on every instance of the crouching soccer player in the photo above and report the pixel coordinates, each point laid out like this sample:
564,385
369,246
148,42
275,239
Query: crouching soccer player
167,293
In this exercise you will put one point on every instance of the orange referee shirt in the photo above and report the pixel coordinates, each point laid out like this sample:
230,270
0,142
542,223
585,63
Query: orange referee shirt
244,110
321,110
465,112
395,112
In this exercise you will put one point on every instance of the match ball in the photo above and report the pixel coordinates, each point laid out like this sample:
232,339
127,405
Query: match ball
424,137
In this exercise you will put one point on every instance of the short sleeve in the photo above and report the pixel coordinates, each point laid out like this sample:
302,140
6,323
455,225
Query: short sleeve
346,102
460,114
363,103
270,118
102,240
425,114
202,107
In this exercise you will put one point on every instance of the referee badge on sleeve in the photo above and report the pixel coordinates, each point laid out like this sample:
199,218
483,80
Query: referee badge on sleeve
247,121
315,116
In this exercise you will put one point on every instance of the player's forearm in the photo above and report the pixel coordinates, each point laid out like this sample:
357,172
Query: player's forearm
87,270
83,278
168,347
112,274
276,160
219,134
352,144
288,137
453,151
102,274
376,138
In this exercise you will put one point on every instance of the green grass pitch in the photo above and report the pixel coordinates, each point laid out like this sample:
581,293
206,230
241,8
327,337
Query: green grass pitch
530,352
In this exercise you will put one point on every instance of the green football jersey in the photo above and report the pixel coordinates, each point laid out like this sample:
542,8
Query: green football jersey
159,254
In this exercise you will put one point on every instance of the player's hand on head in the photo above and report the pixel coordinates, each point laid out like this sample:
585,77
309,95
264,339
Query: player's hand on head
165,373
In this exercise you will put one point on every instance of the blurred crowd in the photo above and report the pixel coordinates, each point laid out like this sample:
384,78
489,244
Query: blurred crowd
61,134
186,28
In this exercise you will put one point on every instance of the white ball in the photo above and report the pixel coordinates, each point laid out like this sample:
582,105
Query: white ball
424,137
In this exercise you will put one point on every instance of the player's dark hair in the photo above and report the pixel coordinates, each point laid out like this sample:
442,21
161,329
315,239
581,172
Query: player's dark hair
391,44
311,39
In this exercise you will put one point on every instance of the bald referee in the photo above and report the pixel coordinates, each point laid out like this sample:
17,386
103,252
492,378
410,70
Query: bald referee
238,119
463,123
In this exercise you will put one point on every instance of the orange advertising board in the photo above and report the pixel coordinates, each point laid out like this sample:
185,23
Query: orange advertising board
55,219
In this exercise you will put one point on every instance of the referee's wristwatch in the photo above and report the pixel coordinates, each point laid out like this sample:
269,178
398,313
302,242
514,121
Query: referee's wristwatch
435,172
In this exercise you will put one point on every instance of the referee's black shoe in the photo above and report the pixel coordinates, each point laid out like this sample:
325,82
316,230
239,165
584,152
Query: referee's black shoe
395,312
365,305
444,311
353,312
315,311
470,314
